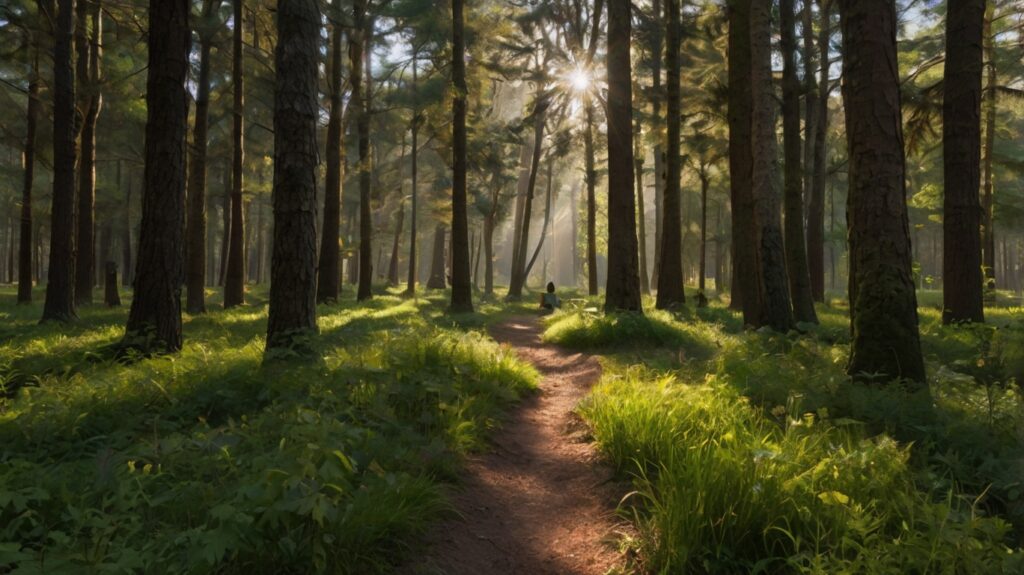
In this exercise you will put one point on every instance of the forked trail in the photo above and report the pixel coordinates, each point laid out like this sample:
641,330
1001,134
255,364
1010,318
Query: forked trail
540,501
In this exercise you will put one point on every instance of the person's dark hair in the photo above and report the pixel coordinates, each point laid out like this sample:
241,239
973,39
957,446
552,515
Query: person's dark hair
551,287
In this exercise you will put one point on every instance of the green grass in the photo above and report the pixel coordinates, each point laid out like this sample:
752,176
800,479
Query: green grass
209,461
752,452
748,452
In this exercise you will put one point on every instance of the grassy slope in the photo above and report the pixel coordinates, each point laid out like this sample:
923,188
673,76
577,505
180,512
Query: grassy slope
209,461
751,452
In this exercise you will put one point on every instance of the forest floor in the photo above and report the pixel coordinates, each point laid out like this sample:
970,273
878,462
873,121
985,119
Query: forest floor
540,500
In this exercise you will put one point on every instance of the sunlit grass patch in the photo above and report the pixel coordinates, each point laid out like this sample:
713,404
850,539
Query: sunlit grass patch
722,486
211,461
598,331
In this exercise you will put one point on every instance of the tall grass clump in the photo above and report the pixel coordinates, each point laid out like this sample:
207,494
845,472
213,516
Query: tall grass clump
585,330
721,486
210,461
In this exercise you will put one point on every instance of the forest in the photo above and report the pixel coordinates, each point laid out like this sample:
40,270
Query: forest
594,287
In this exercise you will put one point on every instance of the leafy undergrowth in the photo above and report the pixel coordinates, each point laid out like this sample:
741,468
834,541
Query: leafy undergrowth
209,461
762,457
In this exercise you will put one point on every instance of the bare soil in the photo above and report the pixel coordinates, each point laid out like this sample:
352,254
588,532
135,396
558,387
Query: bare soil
540,501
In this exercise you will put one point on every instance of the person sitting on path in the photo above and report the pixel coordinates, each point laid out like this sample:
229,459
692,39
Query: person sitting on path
549,300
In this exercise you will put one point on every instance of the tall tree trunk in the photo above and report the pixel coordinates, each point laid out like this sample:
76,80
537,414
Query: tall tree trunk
659,152
522,181
670,269
744,246
883,304
437,272
795,248
519,272
410,288
591,177
770,272
816,197
89,105
622,292
225,224
988,242
155,316
358,42
462,293
329,271
126,235
196,223
810,93
961,152
292,311
234,278
574,235
547,218
353,260
638,169
60,281
393,265
488,246
29,163
702,271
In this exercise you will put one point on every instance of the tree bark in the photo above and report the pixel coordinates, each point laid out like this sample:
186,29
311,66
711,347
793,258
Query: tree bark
111,296
770,270
795,248
196,224
155,317
962,298
744,294
670,269
225,224
988,242
705,182
357,48
547,218
638,172
410,288
29,163
518,275
437,263
591,177
126,235
462,293
810,92
292,311
234,278
60,281
659,151
393,264
329,271
622,291
816,197
85,273
883,304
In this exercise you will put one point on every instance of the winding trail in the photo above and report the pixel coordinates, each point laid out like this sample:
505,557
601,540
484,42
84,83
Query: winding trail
540,501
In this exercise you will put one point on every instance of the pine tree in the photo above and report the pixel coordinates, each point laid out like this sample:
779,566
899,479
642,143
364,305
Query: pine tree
155,317
883,303
234,275
292,312
462,296
961,152
60,295
623,285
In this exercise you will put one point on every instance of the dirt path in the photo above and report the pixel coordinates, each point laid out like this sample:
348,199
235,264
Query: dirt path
540,501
